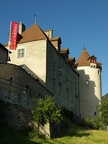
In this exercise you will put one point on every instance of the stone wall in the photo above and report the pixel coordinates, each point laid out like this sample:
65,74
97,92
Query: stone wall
17,96
17,117
14,116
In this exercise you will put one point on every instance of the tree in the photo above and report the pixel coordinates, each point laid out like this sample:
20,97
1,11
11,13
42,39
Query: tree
103,110
47,111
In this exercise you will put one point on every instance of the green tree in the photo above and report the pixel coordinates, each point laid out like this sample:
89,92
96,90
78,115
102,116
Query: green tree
103,110
47,111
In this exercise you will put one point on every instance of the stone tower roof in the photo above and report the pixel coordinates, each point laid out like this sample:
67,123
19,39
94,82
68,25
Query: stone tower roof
83,59
33,33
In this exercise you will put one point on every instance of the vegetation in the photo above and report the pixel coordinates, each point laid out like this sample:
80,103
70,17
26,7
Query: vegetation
101,120
74,134
47,111
103,112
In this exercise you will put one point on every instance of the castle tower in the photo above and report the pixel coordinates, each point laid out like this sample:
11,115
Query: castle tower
89,83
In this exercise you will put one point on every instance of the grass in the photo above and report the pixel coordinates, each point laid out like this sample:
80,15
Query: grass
73,135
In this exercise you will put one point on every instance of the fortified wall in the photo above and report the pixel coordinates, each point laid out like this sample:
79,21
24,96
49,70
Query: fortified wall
18,89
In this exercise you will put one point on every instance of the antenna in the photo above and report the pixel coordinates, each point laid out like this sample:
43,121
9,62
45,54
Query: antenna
35,18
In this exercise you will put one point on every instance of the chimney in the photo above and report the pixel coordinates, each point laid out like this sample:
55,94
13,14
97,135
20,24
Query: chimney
21,28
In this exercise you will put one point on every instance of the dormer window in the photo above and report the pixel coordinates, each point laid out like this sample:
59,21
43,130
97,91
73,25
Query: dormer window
93,59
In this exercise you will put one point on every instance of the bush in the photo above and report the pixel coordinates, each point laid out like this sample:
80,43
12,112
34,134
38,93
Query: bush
47,111
90,122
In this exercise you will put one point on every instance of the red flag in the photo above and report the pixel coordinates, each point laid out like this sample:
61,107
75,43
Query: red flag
13,35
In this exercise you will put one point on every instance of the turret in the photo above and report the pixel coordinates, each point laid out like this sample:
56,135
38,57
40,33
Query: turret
89,83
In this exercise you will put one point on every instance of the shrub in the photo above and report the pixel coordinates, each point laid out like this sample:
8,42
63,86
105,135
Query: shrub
47,111
90,122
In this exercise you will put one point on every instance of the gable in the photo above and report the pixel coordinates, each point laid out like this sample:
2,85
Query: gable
33,33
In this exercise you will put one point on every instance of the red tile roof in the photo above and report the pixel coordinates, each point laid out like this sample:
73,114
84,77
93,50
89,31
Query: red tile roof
83,59
56,39
64,52
33,33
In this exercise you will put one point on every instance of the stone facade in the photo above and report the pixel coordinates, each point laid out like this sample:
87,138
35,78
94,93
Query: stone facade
42,59
19,87
60,78
18,90
14,116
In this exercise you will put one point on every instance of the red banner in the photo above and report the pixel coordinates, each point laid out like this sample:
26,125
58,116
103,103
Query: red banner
13,35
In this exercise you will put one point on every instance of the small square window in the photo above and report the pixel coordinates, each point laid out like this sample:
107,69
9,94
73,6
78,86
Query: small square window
21,53
87,82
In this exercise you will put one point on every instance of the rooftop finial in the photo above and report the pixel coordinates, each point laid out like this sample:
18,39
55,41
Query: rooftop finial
35,18
84,45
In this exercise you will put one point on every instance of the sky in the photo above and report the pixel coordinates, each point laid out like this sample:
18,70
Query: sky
77,22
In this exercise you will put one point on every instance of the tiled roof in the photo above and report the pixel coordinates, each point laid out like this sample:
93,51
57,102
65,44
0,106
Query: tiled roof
71,60
64,50
3,47
55,39
33,33
83,59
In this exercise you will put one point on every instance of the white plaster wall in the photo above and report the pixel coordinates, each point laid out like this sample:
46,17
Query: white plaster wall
35,57
90,95
39,58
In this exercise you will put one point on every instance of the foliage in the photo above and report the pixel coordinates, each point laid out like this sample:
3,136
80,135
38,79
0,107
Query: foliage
74,134
103,110
47,111
90,122
101,120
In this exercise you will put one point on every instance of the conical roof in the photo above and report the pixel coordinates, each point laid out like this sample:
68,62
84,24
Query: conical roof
83,59
33,33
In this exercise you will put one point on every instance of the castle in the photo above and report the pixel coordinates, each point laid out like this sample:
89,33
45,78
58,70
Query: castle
40,66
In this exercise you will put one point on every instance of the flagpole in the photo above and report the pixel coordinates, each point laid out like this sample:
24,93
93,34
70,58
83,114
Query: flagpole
9,40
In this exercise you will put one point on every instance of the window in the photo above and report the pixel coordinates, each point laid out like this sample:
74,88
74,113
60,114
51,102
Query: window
53,56
95,113
26,89
93,60
21,53
66,74
60,77
10,81
54,74
59,62
87,82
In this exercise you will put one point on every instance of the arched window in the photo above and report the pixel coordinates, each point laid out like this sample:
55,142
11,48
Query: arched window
10,81
26,89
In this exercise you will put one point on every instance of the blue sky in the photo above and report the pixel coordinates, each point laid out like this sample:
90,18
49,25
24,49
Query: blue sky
75,21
